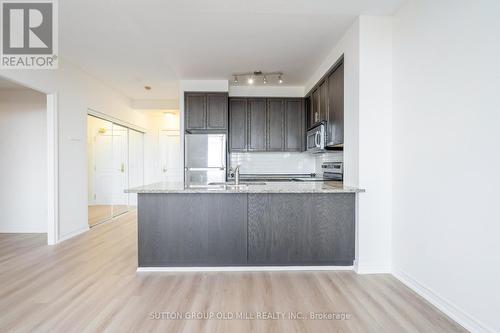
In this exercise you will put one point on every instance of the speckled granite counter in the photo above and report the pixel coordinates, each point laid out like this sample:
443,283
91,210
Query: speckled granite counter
270,187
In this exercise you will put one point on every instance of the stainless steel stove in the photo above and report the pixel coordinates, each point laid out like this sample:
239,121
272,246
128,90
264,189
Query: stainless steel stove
331,171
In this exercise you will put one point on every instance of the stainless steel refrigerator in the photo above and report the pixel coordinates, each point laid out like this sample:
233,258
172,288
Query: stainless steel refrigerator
205,158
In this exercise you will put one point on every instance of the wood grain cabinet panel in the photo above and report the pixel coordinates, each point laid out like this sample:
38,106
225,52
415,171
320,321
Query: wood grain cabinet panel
335,128
301,229
195,109
206,111
172,233
238,118
272,124
257,124
275,124
294,125
216,111
323,100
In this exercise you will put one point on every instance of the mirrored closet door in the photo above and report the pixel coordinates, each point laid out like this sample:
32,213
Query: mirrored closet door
115,163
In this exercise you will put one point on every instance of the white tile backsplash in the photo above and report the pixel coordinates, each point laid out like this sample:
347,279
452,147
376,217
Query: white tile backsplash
274,162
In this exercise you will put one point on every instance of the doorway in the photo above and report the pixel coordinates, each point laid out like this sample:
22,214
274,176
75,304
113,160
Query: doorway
115,163
34,179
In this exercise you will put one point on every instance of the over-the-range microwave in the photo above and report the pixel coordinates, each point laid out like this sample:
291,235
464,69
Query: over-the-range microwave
316,138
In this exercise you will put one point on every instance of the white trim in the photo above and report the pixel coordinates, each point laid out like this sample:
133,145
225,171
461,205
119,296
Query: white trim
73,234
371,268
451,310
52,170
244,269
115,120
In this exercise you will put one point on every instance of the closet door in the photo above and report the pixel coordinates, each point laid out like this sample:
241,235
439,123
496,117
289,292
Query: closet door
120,169
100,170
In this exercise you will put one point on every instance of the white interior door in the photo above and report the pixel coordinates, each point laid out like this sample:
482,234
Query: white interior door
100,169
120,168
170,156
103,168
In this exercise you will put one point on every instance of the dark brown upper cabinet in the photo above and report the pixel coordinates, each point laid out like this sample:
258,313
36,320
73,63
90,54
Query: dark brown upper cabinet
217,111
335,125
196,111
257,124
266,124
206,111
325,102
315,103
238,119
275,124
294,124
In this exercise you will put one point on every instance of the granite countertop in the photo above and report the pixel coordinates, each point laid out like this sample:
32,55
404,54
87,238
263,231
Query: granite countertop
271,187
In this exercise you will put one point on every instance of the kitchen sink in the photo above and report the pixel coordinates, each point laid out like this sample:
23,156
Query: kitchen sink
241,183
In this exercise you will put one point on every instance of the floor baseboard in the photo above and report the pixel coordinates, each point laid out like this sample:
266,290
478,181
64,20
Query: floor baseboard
371,269
72,234
244,269
447,307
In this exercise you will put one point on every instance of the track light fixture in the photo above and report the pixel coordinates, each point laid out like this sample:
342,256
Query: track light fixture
253,77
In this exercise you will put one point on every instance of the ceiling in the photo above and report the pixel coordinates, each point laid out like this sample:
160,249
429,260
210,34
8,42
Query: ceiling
9,85
129,44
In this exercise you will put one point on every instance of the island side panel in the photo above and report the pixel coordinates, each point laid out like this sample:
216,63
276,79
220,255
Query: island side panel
192,229
301,229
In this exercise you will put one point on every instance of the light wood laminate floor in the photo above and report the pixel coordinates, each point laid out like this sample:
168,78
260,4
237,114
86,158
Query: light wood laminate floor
101,213
90,284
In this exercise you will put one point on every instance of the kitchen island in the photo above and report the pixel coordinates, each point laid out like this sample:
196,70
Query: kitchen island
272,224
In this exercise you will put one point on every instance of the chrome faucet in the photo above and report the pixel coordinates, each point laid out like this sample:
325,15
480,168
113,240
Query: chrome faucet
237,175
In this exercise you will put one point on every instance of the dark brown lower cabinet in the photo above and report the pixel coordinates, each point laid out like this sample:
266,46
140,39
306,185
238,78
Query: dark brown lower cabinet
237,229
300,229
173,233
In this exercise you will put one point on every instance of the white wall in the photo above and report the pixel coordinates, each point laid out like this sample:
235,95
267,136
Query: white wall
375,140
446,158
266,91
23,166
76,93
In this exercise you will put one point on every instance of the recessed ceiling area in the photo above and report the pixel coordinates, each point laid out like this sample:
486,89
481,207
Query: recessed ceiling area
130,44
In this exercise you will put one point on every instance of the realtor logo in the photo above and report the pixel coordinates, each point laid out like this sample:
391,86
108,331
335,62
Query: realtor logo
29,34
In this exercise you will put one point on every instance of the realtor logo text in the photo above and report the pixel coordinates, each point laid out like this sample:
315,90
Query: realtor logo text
29,34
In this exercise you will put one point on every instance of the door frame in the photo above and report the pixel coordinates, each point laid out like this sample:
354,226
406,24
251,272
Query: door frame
52,169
